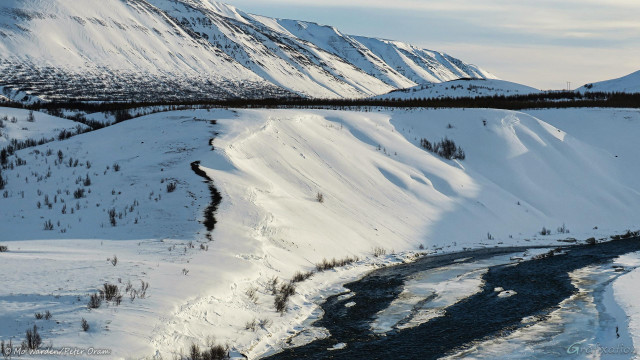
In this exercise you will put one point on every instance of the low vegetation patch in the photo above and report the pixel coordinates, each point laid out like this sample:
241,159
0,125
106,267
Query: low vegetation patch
281,301
300,276
33,339
171,187
333,263
378,251
213,352
445,148
84,324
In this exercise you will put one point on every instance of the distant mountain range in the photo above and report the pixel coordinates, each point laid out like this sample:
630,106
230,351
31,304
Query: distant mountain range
185,49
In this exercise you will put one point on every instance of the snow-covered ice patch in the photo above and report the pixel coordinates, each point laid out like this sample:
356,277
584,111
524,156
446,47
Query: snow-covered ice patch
338,346
427,294
507,293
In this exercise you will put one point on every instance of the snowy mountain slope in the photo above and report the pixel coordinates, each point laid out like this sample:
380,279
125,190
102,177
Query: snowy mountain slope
626,84
461,88
420,65
14,124
116,47
380,189
144,49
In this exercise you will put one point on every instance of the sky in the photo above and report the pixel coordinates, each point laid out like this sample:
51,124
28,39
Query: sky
540,43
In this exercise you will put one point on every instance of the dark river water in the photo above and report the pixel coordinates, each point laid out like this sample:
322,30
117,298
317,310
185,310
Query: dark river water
541,285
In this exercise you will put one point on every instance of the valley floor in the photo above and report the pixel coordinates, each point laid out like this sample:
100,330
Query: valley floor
573,172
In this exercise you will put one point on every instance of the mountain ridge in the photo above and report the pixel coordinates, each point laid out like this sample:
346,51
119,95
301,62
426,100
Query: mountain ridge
627,84
187,49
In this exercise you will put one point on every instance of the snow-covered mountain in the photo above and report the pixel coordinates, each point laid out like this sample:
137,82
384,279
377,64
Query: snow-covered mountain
627,84
176,49
461,88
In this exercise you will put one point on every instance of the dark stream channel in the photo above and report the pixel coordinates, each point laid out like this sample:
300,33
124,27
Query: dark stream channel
541,284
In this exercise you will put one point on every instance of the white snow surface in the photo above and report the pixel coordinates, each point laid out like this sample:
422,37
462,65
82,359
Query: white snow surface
461,88
625,290
380,190
44,125
626,84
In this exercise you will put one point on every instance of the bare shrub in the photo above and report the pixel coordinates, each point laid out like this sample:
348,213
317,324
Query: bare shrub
214,352
333,263
144,286
112,217
33,339
320,197
251,325
280,303
282,298
171,187
301,276
379,251
48,225
111,292
252,294
85,325
272,285
264,323
94,301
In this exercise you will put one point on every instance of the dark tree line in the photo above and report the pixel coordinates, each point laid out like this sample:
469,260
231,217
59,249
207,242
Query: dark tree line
558,99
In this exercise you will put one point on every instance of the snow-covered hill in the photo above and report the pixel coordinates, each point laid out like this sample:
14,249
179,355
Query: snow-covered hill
461,88
626,84
380,189
17,124
176,49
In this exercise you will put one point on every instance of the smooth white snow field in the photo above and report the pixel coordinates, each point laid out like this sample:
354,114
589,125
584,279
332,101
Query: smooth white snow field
521,172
